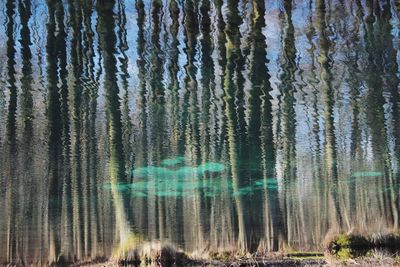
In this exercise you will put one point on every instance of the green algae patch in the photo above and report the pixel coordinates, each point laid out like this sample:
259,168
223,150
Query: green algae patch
266,181
186,172
211,167
140,185
182,187
242,191
163,172
269,183
139,194
173,161
173,179
366,174
118,187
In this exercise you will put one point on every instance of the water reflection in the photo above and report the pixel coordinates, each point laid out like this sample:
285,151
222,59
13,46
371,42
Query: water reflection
213,125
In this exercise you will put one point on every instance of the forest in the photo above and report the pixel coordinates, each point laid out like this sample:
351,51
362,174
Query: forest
240,126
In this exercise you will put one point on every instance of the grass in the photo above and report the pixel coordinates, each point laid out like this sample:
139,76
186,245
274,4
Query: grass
349,246
305,255
341,248
135,252
287,258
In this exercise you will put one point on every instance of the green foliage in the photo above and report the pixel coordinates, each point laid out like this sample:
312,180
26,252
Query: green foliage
348,246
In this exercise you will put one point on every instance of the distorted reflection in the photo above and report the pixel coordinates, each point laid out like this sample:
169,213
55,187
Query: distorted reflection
211,124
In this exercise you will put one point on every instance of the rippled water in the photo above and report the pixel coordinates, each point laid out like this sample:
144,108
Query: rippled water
212,125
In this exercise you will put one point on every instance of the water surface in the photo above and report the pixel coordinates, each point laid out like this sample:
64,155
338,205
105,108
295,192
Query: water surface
212,124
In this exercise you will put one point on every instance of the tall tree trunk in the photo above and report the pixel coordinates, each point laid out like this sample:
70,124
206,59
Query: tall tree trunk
11,147
117,162
326,78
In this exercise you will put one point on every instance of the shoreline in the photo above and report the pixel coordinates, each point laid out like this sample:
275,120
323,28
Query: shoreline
297,259
281,259
366,261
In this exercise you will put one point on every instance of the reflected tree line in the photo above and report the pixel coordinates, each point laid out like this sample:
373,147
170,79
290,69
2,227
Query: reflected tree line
320,126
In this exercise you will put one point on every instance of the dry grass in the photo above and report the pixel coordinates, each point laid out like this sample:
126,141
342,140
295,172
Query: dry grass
161,253
148,253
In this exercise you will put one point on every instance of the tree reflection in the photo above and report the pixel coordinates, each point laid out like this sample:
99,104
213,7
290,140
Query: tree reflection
216,126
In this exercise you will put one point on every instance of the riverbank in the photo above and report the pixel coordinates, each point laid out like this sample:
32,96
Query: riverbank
339,250
325,261
271,259
299,258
